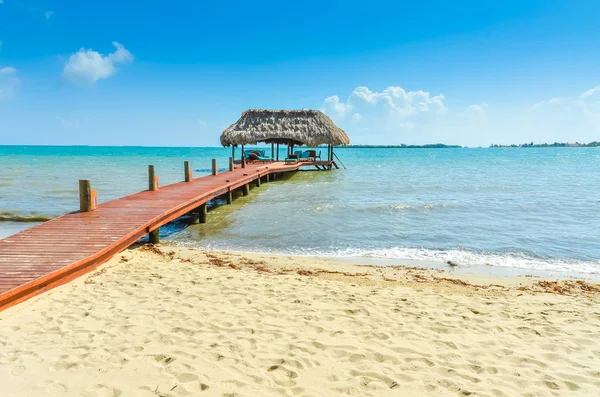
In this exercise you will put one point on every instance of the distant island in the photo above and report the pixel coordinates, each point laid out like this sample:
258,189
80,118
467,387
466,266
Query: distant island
429,146
555,144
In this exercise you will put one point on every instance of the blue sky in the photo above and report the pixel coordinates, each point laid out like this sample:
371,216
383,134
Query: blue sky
389,72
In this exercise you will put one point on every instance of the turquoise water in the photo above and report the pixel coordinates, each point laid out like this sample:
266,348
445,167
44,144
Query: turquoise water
534,209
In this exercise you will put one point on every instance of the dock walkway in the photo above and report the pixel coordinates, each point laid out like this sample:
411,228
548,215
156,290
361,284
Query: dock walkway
55,252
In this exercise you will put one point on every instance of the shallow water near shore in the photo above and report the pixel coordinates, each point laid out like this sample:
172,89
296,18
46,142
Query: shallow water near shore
533,210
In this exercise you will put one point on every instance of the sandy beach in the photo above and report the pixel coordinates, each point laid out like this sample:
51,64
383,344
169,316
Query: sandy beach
167,321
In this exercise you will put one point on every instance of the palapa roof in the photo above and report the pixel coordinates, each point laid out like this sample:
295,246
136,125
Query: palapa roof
297,127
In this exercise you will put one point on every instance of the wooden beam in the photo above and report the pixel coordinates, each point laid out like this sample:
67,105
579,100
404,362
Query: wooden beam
187,173
215,170
152,179
154,236
87,196
202,213
231,164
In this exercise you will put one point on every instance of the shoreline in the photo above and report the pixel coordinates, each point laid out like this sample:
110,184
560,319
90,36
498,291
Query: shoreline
11,228
165,320
427,264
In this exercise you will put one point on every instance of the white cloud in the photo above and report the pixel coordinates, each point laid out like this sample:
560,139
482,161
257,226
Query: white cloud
591,92
474,112
9,82
88,66
7,70
386,115
48,14
394,116
333,103
543,104
396,100
66,123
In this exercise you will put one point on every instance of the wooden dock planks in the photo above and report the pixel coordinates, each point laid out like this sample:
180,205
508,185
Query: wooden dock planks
55,252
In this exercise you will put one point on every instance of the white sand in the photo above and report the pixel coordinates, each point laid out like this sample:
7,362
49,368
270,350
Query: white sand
188,324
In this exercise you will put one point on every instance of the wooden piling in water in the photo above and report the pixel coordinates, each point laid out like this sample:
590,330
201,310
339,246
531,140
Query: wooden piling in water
154,237
229,196
88,198
152,179
202,213
246,189
187,173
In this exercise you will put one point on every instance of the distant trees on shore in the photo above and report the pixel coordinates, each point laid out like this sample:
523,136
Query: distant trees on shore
403,146
555,144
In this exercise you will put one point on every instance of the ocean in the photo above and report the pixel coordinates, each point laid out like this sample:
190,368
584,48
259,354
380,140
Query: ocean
519,210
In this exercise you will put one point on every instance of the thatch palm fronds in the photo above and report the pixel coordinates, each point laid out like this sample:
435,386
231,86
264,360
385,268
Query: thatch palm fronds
290,127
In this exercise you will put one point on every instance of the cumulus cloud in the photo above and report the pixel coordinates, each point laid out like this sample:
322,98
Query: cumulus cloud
394,100
387,114
88,66
9,82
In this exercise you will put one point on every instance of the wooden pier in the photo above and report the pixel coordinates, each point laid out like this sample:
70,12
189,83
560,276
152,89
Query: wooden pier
55,252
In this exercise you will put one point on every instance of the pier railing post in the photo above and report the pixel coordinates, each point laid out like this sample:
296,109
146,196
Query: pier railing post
88,198
152,179
215,170
187,172
231,164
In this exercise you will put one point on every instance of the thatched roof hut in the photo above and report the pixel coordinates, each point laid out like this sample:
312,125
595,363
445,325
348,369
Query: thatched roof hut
289,127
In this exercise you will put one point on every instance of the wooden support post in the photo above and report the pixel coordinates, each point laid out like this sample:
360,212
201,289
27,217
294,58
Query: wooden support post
258,181
277,152
246,189
273,176
215,170
231,164
233,152
229,196
243,158
88,198
202,213
153,236
272,151
152,179
186,171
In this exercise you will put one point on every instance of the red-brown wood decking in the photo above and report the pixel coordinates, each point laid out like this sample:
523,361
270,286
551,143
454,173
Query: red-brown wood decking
55,252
